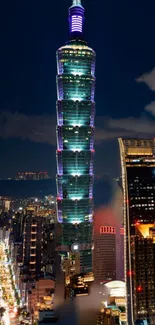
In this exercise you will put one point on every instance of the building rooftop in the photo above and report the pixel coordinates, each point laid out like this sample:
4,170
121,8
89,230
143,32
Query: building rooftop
52,321
116,288
137,147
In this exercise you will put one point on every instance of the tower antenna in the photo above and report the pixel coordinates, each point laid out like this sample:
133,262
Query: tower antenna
76,17
76,2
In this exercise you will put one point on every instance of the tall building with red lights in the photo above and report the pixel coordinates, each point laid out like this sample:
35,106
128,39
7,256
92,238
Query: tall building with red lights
104,237
108,237
138,178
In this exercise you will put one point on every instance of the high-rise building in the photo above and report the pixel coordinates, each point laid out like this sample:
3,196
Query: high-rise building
33,245
143,269
38,246
75,143
108,248
38,257
138,175
17,224
105,253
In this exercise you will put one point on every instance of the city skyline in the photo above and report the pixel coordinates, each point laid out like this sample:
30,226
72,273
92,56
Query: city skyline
85,247
125,53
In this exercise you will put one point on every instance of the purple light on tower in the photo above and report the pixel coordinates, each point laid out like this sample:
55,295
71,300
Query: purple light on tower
76,17
76,25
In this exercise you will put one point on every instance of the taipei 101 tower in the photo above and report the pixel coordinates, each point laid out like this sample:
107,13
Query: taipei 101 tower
75,146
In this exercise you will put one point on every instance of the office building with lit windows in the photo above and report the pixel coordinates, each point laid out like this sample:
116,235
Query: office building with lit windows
38,245
104,254
138,175
75,143
33,245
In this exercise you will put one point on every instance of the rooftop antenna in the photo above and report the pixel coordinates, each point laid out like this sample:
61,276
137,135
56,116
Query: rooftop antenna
76,17
76,2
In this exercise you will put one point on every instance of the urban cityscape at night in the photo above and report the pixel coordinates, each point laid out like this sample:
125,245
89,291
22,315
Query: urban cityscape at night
77,168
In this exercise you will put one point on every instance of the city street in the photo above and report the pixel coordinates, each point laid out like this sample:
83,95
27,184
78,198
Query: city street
8,292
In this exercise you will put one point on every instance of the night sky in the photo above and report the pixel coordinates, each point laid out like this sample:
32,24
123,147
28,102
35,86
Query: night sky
122,34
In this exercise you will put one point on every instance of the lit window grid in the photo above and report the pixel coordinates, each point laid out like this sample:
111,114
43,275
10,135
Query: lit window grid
75,87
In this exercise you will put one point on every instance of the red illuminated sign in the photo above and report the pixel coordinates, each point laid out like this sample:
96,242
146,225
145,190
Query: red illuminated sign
107,230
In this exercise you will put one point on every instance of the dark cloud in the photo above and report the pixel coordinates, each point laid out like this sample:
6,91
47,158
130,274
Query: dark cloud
127,127
36,128
150,108
41,128
148,78
109,134
134,125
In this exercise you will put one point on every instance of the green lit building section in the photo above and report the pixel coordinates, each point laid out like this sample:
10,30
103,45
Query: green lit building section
75,137
75,143
74,162
75,113
75,129
69,185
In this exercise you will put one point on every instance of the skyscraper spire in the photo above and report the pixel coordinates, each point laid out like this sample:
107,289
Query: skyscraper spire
76,17
76,2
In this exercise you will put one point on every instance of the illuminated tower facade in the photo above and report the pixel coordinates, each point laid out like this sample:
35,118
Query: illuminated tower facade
75,143
138,176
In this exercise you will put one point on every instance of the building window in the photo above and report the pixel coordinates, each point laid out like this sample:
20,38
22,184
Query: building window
107,230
